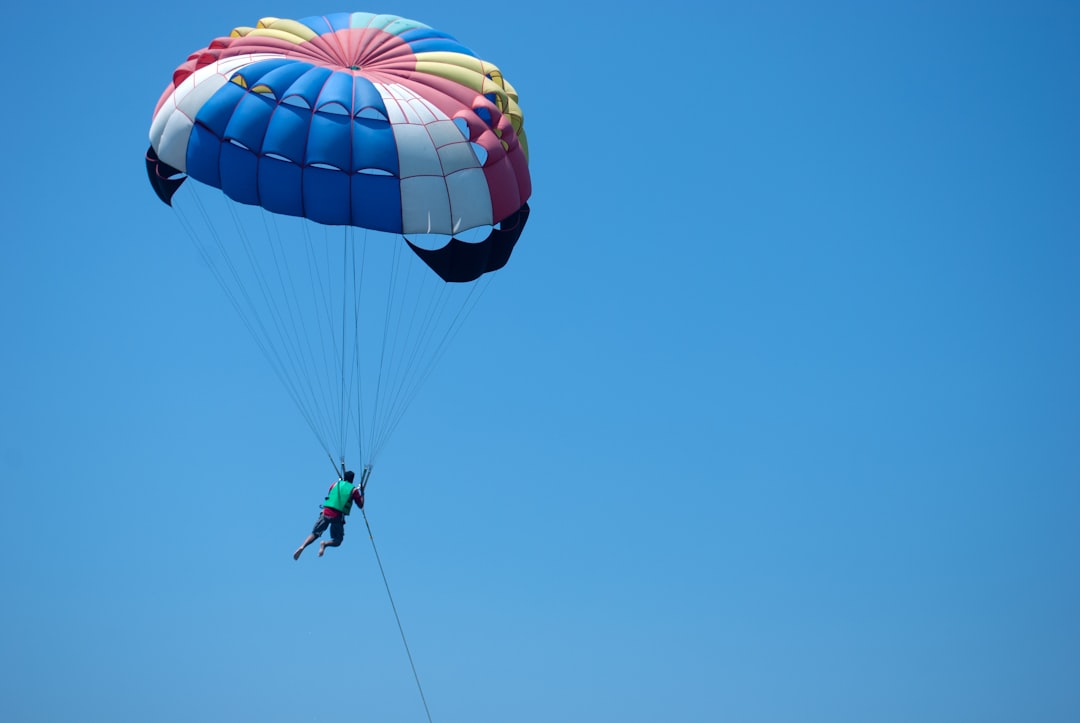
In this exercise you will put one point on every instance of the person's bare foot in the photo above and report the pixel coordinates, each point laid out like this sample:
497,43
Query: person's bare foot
322,548
296,555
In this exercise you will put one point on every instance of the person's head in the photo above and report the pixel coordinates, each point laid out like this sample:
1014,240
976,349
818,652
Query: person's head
349,476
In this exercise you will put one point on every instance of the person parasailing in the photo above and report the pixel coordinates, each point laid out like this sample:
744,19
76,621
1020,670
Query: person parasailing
335,508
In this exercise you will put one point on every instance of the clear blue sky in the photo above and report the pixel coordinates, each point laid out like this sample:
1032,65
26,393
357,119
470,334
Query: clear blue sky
773,417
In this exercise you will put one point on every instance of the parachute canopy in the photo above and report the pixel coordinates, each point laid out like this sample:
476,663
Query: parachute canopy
353,119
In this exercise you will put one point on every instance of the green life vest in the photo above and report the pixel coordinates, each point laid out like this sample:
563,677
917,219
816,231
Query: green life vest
340,497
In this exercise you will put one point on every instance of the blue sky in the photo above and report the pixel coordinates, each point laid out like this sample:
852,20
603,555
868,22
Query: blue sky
773,416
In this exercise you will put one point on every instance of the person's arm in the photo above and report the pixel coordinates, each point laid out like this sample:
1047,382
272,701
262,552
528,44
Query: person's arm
358,497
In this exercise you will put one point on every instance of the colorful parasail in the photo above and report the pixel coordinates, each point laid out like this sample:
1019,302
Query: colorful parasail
355,119
335,162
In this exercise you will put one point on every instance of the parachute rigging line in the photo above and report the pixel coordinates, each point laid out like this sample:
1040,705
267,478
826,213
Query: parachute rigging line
407,393
291,344
344,286
233,294
358,284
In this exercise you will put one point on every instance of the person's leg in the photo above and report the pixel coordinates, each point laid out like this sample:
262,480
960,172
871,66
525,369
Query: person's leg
316,532
337,534
310,539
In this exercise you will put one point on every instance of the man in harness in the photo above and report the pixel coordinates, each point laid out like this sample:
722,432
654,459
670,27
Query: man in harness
335,508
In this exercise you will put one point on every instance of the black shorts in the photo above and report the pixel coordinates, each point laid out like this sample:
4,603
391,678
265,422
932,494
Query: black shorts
336,525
